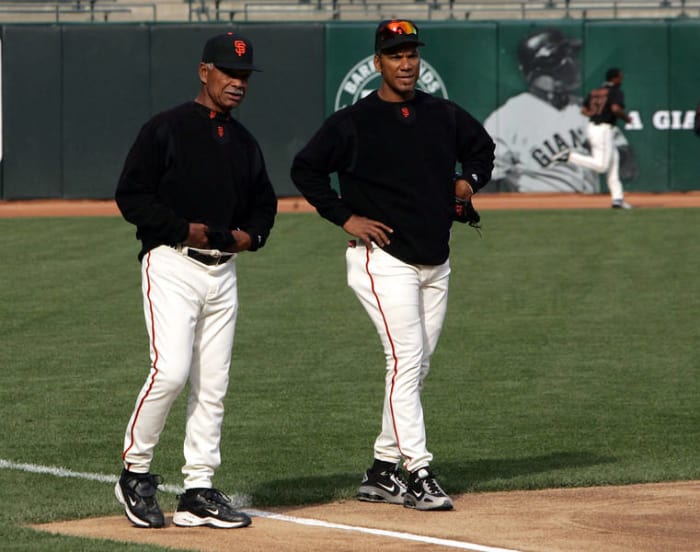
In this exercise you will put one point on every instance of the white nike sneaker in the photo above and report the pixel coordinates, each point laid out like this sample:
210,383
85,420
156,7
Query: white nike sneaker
425,493
208,507
386,486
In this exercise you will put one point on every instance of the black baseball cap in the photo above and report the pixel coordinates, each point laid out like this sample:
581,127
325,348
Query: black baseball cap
229,51
395,32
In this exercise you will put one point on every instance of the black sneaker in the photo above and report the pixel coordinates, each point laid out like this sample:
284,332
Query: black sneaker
384,486
137,492
208,507
425,493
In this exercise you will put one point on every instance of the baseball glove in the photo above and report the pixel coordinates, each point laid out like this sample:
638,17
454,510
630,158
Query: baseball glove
466,213
464,208
220,239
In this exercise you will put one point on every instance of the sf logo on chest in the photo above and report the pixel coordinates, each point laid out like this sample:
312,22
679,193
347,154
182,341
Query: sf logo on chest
220,134
405,113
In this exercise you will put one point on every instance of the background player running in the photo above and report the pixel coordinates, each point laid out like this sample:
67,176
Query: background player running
603,106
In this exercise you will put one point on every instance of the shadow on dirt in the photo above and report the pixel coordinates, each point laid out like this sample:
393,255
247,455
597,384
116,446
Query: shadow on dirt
457,477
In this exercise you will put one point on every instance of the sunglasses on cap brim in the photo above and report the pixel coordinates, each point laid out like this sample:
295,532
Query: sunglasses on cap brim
391,29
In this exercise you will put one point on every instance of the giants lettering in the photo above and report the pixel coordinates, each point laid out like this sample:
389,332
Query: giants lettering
542,154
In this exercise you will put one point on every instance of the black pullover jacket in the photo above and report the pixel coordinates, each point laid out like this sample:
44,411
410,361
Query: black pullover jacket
191,164
395,164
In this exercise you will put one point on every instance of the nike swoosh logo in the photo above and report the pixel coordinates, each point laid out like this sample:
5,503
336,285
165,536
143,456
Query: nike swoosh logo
213,511
131,501
392,489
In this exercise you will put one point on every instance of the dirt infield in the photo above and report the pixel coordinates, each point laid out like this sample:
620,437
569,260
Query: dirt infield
634,518
80,207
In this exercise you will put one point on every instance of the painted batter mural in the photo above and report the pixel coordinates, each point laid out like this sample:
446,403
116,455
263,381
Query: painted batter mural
533,126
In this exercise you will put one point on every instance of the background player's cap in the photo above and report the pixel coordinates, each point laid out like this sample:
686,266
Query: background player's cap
229,51
548,59
395,32
546,48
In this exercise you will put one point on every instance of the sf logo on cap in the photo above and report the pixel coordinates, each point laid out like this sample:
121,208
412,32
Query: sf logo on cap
239,46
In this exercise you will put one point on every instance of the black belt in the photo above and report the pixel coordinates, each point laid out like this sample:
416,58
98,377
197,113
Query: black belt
210,260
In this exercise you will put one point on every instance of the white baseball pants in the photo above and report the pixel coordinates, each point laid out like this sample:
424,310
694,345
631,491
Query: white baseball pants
604,157
190,310
407,304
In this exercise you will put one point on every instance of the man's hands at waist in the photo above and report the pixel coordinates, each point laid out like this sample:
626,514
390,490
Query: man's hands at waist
199,237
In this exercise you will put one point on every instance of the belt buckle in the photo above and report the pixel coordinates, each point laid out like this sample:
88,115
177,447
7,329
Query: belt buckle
212,258
221,258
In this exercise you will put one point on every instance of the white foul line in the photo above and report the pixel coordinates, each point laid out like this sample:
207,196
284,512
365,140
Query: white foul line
173,489
63,472
380,532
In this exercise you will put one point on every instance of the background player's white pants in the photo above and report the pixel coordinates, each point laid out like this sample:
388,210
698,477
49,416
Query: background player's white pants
604,157
407,305
190,311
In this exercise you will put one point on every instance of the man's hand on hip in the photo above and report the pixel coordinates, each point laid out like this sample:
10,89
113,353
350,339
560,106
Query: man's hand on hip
368,230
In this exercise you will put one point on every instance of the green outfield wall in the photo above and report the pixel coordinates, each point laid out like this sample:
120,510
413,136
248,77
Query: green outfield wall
74,96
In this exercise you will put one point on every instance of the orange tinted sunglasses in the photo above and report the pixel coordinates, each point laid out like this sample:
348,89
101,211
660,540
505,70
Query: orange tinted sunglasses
397,27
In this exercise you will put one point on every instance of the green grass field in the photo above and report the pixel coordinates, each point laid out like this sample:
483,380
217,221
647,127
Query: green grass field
569,358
